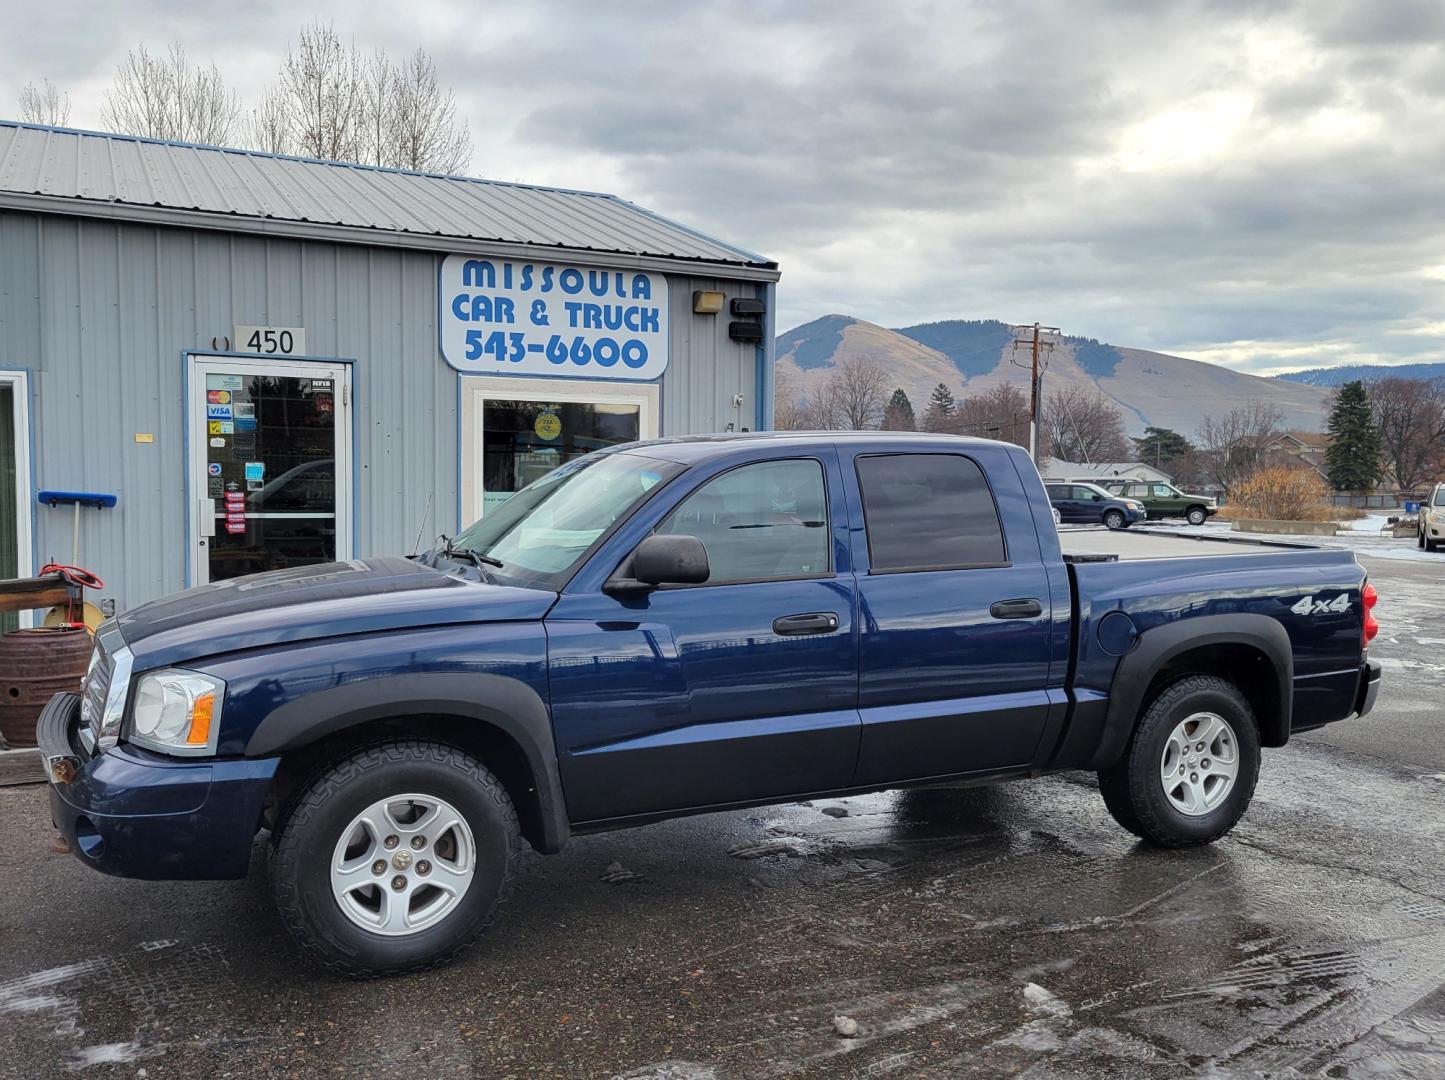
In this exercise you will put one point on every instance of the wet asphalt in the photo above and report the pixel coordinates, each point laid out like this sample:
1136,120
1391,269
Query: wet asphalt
1006,931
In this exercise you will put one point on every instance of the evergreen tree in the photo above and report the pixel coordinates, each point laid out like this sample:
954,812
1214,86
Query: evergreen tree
1161,447
939,415
898,416
1353,457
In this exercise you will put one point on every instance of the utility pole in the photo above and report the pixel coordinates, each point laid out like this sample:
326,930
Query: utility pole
1034,339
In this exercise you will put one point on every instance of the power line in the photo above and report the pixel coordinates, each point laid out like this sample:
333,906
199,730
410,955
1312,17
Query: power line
1036,344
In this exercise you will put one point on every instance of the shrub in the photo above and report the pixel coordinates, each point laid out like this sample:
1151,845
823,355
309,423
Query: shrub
1282,493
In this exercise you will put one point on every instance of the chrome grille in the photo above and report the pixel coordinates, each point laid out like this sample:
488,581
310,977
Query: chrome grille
95,690
97,683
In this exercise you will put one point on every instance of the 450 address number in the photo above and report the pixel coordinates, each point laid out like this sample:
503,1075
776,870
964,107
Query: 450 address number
513,347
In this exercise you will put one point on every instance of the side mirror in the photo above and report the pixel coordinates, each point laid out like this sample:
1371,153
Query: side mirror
664,560
1098,498
671,560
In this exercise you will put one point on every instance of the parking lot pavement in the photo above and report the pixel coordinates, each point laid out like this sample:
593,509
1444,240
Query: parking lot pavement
976,933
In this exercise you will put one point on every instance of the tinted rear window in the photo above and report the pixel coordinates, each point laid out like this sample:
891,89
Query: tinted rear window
928,510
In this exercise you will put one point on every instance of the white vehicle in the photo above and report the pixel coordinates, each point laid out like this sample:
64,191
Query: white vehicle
1432,519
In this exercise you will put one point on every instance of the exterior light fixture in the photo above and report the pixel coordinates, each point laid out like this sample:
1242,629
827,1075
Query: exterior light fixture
706,302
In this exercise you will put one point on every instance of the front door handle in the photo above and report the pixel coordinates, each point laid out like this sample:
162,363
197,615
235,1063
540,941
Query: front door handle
1016,609
813,622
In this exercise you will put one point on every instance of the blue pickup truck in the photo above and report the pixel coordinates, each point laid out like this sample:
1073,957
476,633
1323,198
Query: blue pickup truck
673,627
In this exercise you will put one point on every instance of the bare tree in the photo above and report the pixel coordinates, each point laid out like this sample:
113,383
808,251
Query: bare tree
1410,414
1235,445
321,87
855,395
44,104
167,98
376,114
790,410
269,126
426,133
1082,425
329,102
1001,413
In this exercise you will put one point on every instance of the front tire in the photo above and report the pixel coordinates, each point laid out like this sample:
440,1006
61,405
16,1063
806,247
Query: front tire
395,858
1190,768
1114,519
1196,515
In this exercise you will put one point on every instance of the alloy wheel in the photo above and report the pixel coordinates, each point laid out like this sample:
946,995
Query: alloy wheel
1200,763
403,864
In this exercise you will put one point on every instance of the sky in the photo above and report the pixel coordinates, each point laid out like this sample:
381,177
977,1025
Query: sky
1258,183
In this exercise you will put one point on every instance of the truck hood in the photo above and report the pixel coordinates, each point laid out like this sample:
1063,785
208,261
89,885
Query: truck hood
309,602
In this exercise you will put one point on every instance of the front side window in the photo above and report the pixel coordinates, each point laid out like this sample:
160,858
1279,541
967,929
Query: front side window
1164,491
542,532
1440,496
759,522
928,511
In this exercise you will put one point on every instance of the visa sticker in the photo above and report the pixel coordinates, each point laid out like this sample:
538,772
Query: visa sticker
218,412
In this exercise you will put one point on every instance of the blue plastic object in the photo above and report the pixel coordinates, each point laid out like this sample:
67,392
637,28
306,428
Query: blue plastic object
98,499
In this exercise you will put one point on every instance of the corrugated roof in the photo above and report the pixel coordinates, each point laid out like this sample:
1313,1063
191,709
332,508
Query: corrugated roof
100,169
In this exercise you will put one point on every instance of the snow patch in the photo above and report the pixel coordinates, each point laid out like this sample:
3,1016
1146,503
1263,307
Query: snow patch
120,1053
1042,1001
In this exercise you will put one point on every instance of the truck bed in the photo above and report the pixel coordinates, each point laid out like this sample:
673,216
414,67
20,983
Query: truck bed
1092,545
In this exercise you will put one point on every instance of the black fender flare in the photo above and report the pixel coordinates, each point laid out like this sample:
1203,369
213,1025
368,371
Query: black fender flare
1158,646
506,704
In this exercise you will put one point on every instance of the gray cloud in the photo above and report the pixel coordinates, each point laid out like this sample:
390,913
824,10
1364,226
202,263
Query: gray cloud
1258,182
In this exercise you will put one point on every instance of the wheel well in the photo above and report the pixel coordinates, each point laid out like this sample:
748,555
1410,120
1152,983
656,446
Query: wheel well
490,745
1243,665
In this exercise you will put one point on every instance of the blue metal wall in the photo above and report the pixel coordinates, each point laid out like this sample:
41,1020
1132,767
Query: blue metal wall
101,313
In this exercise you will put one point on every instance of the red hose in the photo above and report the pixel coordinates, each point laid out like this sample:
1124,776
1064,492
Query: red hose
73,574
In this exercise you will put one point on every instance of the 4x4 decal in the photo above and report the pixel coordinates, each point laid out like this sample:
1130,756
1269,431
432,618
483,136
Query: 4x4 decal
1310,606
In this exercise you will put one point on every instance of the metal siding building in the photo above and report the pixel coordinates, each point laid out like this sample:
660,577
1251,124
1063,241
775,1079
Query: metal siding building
125,265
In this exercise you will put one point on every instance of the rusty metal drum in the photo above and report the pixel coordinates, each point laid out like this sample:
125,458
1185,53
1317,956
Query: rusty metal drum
34,666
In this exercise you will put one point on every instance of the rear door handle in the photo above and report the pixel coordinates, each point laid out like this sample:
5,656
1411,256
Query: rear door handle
812,622
1016,609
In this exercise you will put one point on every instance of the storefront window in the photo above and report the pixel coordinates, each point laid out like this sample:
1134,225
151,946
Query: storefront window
524,440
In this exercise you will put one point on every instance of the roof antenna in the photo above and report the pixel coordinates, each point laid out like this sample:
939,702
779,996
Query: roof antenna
422,528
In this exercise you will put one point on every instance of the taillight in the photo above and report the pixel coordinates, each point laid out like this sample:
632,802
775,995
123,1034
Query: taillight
1369,598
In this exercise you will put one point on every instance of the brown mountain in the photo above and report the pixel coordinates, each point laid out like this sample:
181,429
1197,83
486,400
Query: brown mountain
973,356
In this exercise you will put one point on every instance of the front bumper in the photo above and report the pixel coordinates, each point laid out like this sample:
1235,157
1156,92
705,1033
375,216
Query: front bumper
1133,517
135,814
1369,687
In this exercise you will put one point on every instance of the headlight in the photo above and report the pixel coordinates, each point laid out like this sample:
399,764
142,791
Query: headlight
177,712
1135,505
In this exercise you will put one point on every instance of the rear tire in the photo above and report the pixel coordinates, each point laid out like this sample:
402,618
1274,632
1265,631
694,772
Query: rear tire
1114,519
1201,803
1196,515
372,809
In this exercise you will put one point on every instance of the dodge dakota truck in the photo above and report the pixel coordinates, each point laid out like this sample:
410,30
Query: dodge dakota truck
673,627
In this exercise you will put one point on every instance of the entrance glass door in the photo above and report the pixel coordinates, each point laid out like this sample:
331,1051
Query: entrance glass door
271,471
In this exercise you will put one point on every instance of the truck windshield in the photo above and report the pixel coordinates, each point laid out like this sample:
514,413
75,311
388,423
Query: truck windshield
542,532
